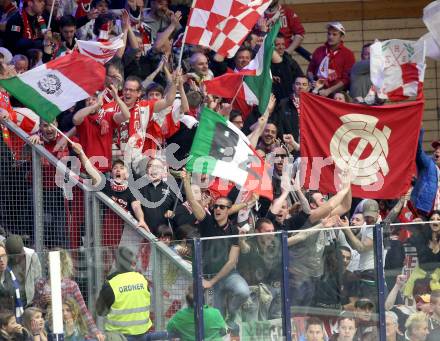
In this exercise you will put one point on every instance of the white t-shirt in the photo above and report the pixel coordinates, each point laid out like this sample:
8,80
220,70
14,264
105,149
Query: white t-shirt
366,259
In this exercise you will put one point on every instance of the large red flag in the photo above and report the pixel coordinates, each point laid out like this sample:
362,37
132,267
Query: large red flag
377,143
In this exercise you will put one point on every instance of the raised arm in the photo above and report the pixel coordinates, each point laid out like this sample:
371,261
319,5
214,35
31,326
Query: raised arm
88,166
197,209
80,115
124,113
355,243
170,92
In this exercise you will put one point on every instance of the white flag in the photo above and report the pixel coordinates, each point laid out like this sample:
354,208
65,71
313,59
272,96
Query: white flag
102,52
397,68
431,18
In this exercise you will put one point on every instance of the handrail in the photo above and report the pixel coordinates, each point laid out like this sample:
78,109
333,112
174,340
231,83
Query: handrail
124,215
164,249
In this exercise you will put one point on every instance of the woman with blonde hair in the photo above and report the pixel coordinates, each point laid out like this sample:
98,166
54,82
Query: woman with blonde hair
69,289
75,327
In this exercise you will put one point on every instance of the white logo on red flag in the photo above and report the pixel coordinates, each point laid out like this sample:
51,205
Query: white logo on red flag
101,51
361,129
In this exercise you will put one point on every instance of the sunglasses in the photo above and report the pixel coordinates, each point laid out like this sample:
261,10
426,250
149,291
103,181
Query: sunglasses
222,207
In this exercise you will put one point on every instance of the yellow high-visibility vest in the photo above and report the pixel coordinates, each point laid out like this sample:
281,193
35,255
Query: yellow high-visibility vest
130,313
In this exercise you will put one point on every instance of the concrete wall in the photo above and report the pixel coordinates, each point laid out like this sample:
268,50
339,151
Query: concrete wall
395,19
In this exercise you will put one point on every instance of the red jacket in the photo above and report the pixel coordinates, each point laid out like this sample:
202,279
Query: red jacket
343,62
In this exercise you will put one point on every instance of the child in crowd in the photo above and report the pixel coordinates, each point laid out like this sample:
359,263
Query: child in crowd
10,330
33,322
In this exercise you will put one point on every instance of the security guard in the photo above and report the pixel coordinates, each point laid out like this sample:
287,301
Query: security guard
124,299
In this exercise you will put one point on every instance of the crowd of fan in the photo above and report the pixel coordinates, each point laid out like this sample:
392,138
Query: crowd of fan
330,269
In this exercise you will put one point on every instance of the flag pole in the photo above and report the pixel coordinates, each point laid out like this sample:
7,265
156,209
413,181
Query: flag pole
184,39
179,64
238,90
61,133
51,13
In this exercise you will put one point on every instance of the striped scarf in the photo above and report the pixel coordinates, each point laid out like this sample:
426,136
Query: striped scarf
30,32
19,310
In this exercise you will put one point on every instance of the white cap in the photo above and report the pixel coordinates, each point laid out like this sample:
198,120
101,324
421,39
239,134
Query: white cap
336,25
6,54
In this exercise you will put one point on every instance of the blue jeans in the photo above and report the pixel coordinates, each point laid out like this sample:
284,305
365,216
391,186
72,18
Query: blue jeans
148,336
302,291
230,293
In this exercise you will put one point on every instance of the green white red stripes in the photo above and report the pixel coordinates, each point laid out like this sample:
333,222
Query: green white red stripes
56,86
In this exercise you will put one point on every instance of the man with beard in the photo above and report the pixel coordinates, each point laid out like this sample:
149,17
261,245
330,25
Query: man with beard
220,256
116,188
332,62
268,141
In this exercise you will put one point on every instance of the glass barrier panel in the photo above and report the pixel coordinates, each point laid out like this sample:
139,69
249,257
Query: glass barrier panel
332,287
412,275
248,296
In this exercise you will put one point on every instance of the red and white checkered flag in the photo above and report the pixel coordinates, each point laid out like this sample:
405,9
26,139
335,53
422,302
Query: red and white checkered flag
223,25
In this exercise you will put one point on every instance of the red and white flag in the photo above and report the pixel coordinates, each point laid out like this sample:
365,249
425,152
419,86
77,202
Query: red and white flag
101,51
377,143
223,25
397,68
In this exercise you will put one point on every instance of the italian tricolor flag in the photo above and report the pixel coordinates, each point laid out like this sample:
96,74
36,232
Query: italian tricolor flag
220,149
56,86
251,85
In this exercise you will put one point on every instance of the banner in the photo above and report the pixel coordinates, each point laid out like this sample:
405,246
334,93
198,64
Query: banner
377,143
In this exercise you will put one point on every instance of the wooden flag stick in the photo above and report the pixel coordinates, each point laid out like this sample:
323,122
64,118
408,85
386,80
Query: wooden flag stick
61,133
51,14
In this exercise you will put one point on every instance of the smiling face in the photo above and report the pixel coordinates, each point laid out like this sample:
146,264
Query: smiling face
269,134
131,92
242,59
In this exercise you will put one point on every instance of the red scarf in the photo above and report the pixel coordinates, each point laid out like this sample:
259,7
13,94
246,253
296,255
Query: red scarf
28,31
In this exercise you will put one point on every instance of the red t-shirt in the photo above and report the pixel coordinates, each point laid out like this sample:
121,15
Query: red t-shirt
96,136
343,60
290,24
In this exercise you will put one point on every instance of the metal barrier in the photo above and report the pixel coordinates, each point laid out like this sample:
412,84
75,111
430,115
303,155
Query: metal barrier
33,193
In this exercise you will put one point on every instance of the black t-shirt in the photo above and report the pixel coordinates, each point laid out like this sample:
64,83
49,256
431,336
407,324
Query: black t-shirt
161,193
298,221
120,194
215,252
182,216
